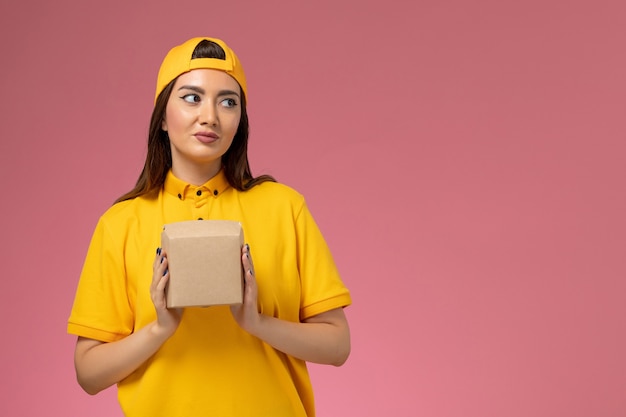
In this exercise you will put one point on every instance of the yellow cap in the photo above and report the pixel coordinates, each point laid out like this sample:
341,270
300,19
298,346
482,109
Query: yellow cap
178,61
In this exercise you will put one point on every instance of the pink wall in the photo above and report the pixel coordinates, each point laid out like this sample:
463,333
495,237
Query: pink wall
466,161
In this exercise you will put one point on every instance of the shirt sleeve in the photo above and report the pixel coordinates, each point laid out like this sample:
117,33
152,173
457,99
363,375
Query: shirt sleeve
322,287
101,309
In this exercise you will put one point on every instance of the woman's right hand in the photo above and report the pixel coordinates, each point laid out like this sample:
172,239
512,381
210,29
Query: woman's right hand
168,319
100,365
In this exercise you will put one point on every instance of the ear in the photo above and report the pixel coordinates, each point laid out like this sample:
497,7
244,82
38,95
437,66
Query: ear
164,125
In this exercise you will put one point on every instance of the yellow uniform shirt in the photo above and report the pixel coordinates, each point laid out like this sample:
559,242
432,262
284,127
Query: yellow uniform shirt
210,366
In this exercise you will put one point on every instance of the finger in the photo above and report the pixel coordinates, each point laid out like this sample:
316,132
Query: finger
157,257
163,281
247,258
158,289
159,279
160,261
250,288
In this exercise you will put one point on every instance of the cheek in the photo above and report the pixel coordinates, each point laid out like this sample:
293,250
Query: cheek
173,118
167,119
234,124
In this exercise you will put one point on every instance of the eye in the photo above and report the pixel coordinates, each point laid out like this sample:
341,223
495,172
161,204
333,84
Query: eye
229,102
191,98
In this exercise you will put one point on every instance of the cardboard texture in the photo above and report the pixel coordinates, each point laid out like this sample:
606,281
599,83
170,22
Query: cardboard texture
204,262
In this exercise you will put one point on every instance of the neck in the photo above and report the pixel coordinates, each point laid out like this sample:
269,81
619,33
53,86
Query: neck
196,174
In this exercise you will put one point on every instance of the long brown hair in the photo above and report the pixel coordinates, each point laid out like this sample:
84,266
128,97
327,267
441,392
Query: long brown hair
159,155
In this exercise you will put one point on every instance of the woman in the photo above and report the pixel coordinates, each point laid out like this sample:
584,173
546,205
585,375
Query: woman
244,360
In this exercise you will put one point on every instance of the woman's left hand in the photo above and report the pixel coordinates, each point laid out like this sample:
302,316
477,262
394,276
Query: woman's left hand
247,314
323,338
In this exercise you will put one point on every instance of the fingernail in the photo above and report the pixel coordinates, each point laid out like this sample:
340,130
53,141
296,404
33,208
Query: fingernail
165,272
247,247
158,251
161,259
250,271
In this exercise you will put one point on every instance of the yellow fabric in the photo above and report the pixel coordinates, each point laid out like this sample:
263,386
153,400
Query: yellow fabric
210,367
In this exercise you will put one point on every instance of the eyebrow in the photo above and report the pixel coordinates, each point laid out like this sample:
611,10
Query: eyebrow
200,90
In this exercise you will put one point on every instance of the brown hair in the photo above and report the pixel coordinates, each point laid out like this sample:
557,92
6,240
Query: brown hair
159,156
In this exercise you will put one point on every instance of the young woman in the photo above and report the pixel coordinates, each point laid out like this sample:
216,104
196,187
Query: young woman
241,360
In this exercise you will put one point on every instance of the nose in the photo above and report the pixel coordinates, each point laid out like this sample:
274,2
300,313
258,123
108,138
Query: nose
208,114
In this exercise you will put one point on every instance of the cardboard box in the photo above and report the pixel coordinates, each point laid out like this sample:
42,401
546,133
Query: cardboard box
204,262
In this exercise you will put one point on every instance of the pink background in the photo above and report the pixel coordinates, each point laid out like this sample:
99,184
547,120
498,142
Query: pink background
465,160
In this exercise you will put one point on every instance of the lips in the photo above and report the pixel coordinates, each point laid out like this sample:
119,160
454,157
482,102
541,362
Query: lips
206,137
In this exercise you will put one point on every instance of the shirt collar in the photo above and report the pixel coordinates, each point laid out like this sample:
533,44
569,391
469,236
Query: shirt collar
183,190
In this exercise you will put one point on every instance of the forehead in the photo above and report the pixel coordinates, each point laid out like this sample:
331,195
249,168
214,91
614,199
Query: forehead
208,80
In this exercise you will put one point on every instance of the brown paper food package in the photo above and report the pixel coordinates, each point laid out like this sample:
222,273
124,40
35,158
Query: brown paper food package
204,262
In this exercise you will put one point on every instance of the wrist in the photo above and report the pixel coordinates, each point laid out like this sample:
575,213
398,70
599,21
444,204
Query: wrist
257,325
159,332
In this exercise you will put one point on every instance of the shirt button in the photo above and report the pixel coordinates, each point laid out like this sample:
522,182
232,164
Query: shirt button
215,192
180,197
200,218
199,193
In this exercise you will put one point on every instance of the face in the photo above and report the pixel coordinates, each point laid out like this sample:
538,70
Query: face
201,118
